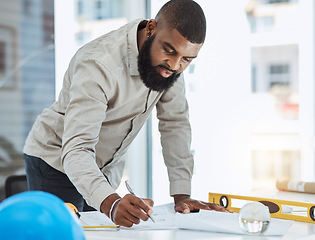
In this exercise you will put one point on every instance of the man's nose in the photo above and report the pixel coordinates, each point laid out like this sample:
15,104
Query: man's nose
174,63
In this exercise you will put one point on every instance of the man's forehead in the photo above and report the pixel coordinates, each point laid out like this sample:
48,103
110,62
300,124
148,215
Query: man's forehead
171,36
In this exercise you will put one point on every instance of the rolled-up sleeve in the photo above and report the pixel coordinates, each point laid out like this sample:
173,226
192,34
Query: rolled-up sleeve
83,120
174,126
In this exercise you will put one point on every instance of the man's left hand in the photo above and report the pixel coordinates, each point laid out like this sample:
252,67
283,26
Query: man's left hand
184,204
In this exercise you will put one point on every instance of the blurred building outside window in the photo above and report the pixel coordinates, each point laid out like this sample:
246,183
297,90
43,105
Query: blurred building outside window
250,96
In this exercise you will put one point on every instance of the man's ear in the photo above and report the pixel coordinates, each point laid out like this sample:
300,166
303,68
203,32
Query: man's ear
151,27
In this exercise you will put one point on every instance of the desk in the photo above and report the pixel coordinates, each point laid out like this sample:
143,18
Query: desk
298,230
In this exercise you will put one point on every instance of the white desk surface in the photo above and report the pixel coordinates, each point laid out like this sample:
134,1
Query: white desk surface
298,230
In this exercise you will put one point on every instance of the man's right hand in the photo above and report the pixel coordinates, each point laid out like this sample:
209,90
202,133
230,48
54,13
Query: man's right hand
128,210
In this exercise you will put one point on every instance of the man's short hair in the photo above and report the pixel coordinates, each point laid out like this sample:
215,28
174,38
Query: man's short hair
187,17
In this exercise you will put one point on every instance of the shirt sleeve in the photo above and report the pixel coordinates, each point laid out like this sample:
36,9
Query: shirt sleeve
83,120
174,126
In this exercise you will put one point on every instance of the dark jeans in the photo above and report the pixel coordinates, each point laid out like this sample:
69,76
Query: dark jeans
42,177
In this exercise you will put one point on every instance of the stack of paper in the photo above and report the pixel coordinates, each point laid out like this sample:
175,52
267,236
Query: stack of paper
213,221
225,223
166,218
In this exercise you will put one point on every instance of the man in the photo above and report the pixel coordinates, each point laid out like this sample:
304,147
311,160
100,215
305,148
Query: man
75,148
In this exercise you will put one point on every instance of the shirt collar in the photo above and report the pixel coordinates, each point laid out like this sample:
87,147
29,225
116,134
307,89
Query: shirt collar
133,48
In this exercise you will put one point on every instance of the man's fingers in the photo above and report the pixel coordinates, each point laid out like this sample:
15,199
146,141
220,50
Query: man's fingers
211,206
130,210
218,207
148,201
125,222
182,207
138,213
140,203
194,205
132,218
200,205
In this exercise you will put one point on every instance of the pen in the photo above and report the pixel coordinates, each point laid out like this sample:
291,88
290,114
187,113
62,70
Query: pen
133,193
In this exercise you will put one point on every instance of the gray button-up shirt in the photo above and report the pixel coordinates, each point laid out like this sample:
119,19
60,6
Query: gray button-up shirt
102,106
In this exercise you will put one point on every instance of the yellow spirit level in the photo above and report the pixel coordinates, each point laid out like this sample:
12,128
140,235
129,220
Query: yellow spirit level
290,210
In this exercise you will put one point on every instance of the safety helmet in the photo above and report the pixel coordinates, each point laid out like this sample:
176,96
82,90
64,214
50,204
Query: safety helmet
37,215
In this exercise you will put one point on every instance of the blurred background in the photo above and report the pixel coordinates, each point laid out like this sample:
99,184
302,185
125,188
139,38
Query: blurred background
250,91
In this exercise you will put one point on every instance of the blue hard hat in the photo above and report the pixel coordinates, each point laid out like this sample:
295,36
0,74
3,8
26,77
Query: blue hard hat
37,215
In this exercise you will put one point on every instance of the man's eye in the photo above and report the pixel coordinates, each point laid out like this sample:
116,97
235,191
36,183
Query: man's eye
168,51
187,59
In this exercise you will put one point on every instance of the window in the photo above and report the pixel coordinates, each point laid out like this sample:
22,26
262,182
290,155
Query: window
8,52
254,79
27,76
262,24
191,68
279,75
2,58
275,1
27,6
48,22
99,5
278,1
79,8
98,9
275,66
102,9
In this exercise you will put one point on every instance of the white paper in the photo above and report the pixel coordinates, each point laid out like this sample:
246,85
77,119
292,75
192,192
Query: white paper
95,218
166,218
213,221
225,223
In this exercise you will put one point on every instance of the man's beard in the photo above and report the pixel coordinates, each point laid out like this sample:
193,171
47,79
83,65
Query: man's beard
149,75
